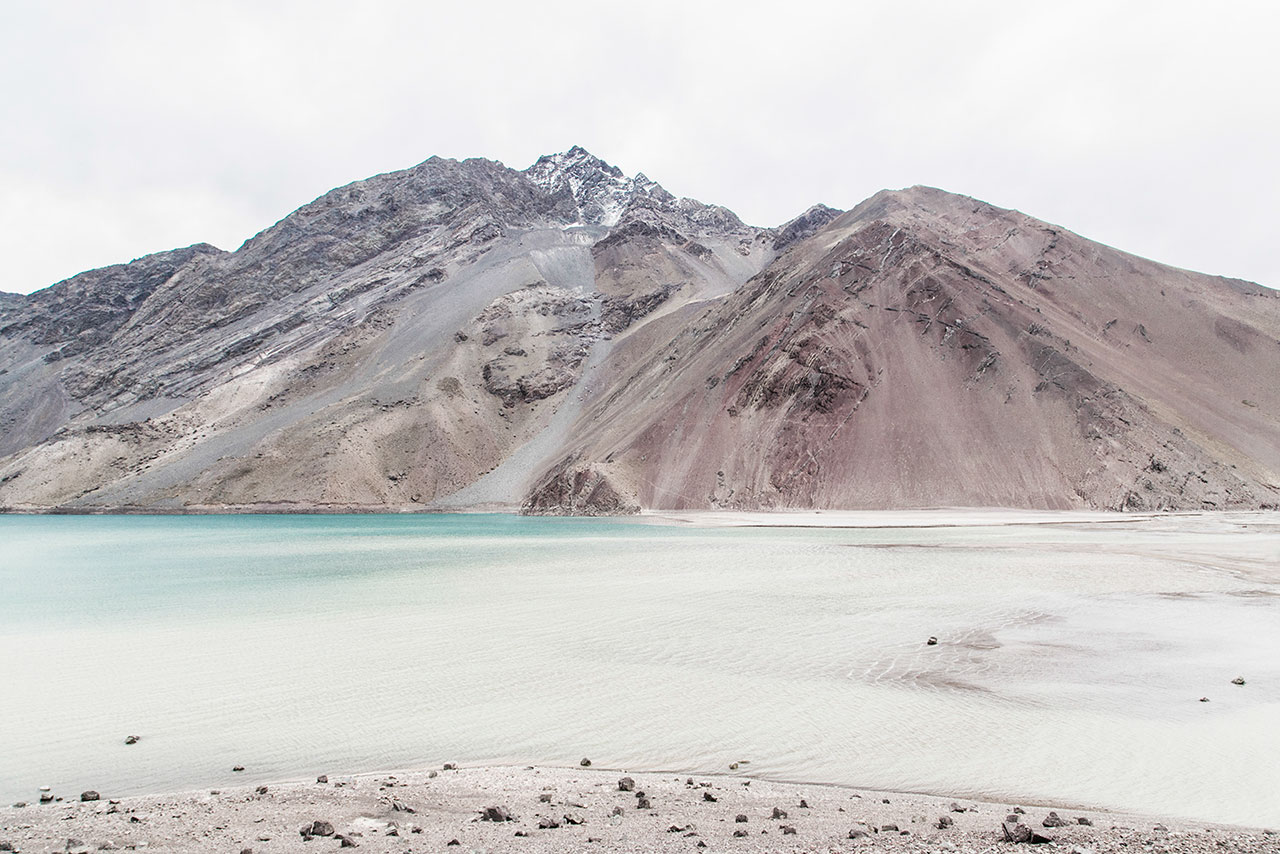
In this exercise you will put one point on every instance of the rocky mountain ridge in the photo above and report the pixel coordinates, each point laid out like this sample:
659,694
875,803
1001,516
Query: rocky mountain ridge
568,339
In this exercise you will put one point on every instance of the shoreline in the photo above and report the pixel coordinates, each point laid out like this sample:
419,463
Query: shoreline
584,809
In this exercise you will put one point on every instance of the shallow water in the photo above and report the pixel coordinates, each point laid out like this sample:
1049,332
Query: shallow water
1070,661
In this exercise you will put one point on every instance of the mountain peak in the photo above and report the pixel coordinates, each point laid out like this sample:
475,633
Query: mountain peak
600,190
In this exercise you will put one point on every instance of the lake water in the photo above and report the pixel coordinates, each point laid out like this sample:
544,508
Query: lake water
1070,661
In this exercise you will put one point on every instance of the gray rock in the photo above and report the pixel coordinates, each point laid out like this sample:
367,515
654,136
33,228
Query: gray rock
317,828
1239,680
1083,820
1014,832
778,814
585,762
133,739
323,778
944,821
496,814
740,818
626,784
89,796
888,828
1054,820
859,834
787,830
548,823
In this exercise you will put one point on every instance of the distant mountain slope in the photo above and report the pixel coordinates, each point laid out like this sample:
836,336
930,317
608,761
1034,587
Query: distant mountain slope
568,339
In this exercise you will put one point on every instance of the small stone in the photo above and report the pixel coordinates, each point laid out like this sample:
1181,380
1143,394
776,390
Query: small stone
1054,820
955,807
323,778
804,805
320,828
547,824
932,641
570,818
616,811
46,797
237,767
544,798
19,805
521,833
261,790
496,814
1204,699
1160,828
859,834
888,828
585,762
450,766
643,804
1082,820
740,818
452,842
884,800
1019,810
778,814
733,766
432,775
6,846
788,830
707,796
1239,680
346,841
626,784
944,821
739,834
1016,832
132,739
89,796
246,851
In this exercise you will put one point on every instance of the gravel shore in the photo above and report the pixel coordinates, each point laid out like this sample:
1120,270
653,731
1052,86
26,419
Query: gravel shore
586,809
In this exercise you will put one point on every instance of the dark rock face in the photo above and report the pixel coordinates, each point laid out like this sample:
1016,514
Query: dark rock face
579,491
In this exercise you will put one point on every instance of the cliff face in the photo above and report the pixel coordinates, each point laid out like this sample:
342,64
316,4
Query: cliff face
568,339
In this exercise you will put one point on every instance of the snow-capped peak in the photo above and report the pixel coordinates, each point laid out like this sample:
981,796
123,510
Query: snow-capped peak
601,191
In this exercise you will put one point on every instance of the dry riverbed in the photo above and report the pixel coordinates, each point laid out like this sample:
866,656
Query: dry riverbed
496,809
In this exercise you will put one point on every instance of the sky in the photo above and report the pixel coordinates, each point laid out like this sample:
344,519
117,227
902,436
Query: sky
133,127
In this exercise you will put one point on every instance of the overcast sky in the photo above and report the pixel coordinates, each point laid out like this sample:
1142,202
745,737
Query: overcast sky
131,127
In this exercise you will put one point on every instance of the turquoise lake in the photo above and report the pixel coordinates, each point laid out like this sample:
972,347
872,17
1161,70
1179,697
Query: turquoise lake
1070,662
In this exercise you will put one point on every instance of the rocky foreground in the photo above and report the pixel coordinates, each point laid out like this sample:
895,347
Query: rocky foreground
552,809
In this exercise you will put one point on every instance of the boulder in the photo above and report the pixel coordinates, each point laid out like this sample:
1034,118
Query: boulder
89,796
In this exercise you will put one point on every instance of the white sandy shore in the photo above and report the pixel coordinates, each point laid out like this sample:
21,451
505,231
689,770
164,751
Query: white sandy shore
942,517
427,810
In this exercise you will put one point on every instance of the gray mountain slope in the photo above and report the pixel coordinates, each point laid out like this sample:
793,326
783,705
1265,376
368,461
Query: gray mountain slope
570,339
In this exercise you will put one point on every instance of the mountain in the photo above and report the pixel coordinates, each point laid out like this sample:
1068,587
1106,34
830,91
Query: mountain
567,339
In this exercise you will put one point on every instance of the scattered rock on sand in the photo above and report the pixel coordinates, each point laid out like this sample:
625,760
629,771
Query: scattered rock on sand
496,814
547,824
944,821
450,766
856,833
132,739
237,767
740,834
90,795
626,784
1082,820
261,790
932,641
585,762
778,814
345,841
1014,832
888,828
323,778
1239,680
1054,820
787,830
707,796
955,807
740,818
643,804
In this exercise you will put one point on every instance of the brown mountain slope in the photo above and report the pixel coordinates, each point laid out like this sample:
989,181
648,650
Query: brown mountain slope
928,349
